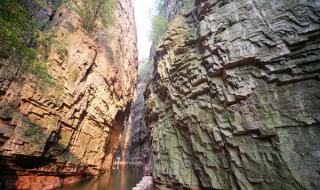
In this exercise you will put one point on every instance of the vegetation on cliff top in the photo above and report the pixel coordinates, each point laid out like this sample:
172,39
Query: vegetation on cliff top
15,32
159,22
22,43
92,10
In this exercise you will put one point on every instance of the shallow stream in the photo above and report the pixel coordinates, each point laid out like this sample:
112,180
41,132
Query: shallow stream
122,178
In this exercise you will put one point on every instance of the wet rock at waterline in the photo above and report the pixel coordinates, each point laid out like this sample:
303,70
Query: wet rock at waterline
234,99
53,135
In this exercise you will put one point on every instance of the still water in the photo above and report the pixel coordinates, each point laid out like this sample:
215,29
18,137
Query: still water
124,178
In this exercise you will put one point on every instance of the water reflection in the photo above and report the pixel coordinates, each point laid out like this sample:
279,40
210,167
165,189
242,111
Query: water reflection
124,178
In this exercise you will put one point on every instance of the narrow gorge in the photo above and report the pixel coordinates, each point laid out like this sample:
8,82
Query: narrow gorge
228,97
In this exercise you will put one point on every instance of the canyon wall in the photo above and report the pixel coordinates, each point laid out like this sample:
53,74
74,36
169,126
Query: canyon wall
234,101
135,136
52,135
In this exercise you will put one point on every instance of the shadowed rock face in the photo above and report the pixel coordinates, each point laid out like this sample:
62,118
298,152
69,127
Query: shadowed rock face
135,137
55,135
234,100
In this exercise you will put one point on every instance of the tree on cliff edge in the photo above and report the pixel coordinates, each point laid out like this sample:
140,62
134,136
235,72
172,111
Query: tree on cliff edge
91,10
159,22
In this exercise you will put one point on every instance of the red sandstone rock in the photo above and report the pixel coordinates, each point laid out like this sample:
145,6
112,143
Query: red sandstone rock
69,130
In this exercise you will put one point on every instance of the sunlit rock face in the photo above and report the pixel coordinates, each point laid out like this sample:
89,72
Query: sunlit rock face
55,135
234,100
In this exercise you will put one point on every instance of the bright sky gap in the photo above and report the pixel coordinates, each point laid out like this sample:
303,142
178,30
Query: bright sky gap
142,10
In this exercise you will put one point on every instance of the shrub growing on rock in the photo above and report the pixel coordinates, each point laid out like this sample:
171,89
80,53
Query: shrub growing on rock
22,43
159,22
92,10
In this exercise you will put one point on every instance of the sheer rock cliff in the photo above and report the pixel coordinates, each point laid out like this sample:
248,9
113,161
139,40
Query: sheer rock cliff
55,135
234,101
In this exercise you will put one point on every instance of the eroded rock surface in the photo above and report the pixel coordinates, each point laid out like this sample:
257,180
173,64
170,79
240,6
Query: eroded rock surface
234,100
55,135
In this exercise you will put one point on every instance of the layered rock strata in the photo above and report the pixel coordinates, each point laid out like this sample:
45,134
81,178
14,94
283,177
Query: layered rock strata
234,99
51,135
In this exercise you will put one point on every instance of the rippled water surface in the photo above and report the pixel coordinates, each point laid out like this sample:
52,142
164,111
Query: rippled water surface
124,178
